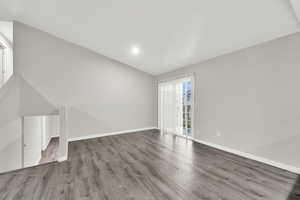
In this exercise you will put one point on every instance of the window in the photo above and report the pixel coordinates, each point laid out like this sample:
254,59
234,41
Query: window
6,60
176,106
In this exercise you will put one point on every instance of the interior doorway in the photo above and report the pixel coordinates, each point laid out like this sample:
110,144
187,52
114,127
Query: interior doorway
40,139
176,106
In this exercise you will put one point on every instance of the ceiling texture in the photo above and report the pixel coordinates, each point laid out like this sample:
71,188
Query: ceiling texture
168,34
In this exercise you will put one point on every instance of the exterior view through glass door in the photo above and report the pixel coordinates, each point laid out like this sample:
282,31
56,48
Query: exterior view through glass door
176,106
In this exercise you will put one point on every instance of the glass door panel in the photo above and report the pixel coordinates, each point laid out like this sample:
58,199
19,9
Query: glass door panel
175,106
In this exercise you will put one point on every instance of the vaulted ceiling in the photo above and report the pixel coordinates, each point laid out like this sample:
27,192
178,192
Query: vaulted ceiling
158,36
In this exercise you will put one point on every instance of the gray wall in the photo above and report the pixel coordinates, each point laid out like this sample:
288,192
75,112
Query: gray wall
250,100
11,146
10,126
101,95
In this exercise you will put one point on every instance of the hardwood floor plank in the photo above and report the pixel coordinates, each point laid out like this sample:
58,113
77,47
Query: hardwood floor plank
149,166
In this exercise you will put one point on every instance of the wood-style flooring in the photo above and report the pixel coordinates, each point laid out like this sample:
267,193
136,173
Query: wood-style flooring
149,166
49,155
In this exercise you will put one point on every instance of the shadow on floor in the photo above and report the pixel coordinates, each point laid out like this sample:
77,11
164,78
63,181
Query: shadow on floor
295,192
49,154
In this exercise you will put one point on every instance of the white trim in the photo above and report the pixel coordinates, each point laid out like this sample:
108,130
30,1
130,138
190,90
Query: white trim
158,106
63,158
251,156
22,142
193,105
54,136
173,78
109,134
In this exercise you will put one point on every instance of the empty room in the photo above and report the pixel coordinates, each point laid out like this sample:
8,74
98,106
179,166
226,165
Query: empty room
150,100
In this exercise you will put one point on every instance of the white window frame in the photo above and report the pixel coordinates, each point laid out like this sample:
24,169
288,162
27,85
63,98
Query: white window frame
192,77
7,69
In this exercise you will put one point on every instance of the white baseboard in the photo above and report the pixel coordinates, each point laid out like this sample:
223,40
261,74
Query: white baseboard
250,156
220,147
63,158
109,134
37,162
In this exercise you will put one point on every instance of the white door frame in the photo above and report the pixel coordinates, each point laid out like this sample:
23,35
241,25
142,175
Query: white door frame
190,75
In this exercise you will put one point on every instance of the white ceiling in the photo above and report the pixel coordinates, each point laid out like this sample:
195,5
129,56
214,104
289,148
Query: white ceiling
169,33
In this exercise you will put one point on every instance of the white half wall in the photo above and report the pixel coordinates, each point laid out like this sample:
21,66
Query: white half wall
10,126
102,95
11,146
32,140
63,134
250,100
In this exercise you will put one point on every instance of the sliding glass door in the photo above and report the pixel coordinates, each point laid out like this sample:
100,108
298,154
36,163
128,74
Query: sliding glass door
176,106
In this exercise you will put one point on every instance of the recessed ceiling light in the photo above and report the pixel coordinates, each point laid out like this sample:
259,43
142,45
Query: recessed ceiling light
135,50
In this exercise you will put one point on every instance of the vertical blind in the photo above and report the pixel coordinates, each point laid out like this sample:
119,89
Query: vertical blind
6,59
6,64
171,106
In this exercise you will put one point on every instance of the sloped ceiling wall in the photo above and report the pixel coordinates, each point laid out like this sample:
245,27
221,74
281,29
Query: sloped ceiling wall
33,103
103,95
18,98
10,96
296,7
